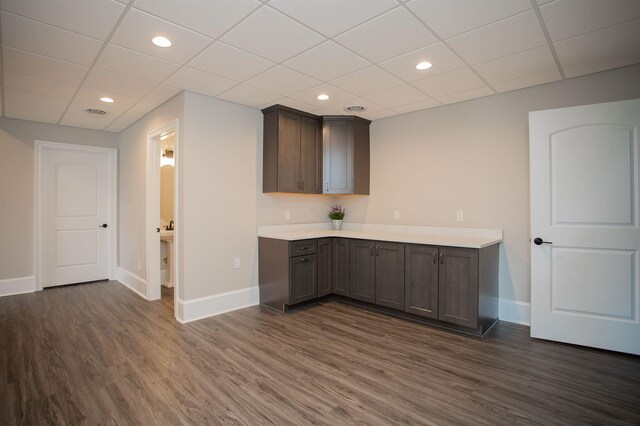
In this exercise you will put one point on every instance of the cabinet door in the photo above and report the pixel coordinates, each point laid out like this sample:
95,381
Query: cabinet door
303,272
363,270
421,280
340,276
288,152
325,250
390,275
458,286
310,148
337,139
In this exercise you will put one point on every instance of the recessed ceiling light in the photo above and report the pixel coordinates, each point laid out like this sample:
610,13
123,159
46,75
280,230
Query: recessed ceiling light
161,41
423,66
323,97
107,100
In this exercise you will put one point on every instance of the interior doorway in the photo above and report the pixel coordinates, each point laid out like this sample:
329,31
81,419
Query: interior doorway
76,226
163,224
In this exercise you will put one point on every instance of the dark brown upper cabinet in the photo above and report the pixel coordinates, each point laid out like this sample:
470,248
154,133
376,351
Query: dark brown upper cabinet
292,151
345,145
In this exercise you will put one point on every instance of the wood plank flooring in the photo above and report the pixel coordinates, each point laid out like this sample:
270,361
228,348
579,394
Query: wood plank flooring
99,354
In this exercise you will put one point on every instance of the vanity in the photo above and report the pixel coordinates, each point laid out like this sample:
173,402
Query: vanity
445,277
166,237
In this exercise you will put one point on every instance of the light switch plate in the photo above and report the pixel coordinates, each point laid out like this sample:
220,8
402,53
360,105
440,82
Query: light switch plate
396,214
236,263
459,216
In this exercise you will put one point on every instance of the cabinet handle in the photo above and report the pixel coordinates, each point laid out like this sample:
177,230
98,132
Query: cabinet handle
302,185
306,259
442,258
303,248
371,250
435,256
378,251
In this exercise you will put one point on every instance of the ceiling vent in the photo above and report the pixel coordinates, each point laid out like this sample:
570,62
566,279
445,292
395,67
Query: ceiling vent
355,108
95,111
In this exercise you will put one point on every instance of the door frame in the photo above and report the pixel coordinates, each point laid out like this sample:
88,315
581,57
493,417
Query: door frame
40,147
153,212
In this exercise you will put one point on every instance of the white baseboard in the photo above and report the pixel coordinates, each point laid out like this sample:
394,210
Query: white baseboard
195,309
132,281
514,311
17,286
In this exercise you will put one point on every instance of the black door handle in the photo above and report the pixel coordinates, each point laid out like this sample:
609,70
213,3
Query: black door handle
538,241
104,225
157,229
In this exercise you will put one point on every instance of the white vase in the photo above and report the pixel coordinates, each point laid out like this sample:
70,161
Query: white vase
336,225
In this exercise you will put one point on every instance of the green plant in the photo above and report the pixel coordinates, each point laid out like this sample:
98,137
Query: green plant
336,212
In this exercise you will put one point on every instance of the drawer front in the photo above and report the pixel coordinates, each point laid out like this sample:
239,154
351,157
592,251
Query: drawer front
302,248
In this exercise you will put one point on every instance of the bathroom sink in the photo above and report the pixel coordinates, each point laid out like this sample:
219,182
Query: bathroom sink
166,234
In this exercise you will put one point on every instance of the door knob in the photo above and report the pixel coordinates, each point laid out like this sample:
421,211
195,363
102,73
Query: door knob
538,241
157,229
104,225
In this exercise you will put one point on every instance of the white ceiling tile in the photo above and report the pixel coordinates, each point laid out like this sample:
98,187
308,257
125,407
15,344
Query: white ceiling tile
209,17
44,114
521,64
34,99
291,103
133,64
283,81
42,86
528,81
511,35
466,95
161,94
378,115
138,28
367,81
117,83
247,95
440,56
430,103
93,18
392,34
41,66
35,37
198,81
541,2
603,64
331,17
449,18
398,96
569,18
92,96
143,107
453,82
229,62
612,41
86,121
272,35
335,94
124,121
327,61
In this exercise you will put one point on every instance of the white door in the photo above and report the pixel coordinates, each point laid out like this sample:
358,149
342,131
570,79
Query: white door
585,286
75,214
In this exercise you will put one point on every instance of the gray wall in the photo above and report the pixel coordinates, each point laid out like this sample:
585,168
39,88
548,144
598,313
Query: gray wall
17,198
474,156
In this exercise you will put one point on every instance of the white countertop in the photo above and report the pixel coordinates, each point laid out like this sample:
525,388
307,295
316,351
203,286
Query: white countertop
421,235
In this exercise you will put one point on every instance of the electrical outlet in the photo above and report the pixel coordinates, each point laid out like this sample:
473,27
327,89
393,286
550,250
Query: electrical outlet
459,216
236,263
396,214
287,215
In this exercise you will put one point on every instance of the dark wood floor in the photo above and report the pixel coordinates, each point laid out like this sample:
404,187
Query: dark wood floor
99,354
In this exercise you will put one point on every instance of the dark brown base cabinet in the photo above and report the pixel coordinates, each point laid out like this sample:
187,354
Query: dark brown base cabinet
450,287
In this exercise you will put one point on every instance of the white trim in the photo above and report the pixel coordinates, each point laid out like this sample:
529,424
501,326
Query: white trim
153,213
132,282
196,309
40,146
514,311
13,286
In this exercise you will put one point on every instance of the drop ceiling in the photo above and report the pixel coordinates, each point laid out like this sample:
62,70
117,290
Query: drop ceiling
60,56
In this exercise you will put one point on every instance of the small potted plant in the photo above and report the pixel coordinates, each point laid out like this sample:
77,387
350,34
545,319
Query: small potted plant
336,214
